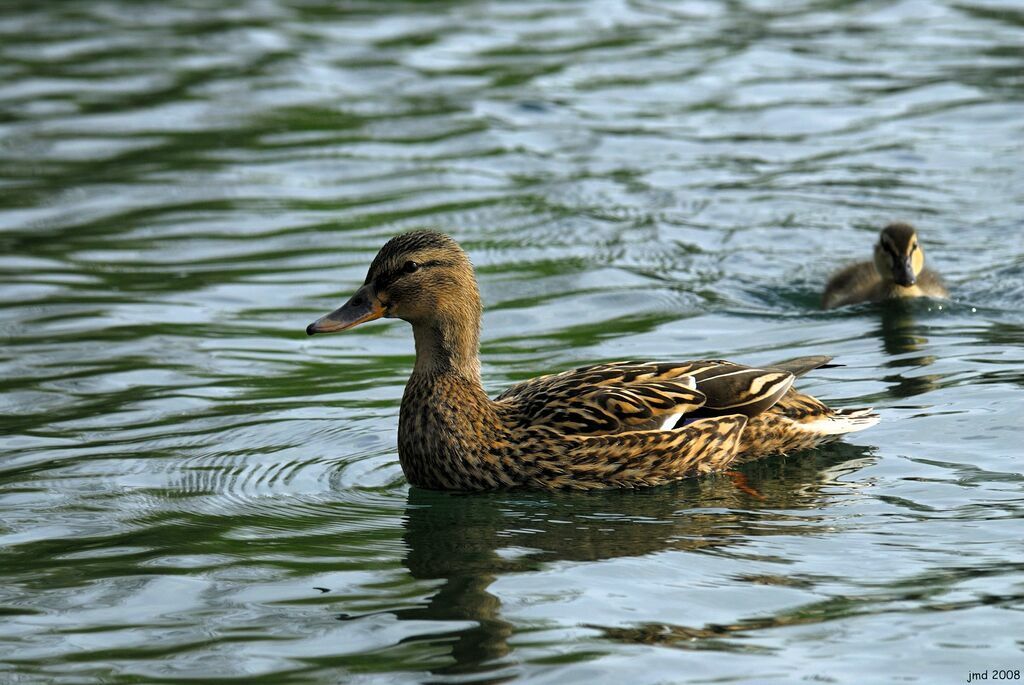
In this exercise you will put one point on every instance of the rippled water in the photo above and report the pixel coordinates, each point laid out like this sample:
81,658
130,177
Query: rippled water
192,489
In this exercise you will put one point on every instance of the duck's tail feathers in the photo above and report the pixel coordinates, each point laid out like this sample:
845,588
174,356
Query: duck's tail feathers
842,421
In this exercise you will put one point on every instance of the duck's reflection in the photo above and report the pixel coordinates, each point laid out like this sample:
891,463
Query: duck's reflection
467,541
902,336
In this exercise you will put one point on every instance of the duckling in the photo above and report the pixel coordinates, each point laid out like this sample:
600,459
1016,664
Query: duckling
615,425
897,271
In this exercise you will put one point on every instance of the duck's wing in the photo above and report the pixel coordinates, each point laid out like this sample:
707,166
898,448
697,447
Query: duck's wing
605,398
638,396
798,366
736,389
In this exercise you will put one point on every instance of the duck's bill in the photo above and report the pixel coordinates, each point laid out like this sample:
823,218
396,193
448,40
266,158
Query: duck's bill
362,307
903,273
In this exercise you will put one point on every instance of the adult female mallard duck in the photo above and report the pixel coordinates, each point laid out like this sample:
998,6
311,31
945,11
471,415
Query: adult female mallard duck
623,424
897,271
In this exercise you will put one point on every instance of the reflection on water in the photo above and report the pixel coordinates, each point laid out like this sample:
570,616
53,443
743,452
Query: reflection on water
900,332
904,339
183,186
468,541
724,637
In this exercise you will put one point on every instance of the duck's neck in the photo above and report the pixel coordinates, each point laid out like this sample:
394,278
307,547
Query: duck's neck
448,345
448,427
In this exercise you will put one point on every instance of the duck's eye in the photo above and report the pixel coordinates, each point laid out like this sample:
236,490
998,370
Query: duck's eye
410,267
913,247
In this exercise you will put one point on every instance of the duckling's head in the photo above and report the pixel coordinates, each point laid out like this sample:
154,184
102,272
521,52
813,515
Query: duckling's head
898,254
423,277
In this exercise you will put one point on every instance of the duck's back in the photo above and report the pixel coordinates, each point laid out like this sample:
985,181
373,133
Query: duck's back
855,283
931,284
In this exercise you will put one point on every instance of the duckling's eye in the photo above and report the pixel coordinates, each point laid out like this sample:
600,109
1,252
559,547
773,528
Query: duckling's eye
913,247
410,267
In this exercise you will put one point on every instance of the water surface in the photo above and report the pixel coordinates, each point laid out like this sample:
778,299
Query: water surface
192,489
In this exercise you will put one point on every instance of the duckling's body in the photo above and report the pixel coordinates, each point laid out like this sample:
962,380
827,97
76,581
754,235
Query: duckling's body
860,282
897,271
623,424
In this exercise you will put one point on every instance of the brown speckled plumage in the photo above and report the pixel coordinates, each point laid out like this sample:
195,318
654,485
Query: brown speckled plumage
623,424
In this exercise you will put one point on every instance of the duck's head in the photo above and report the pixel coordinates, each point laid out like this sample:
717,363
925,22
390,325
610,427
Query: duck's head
899,257
423,277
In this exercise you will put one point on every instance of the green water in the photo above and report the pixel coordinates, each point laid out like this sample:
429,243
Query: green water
190,489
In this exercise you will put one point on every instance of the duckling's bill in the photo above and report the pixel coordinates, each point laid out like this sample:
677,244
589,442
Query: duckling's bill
903,273
362,307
